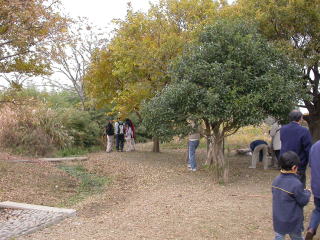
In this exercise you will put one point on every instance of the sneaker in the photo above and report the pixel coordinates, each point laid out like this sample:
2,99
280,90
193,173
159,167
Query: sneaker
194,169
189,166
309,235
251,167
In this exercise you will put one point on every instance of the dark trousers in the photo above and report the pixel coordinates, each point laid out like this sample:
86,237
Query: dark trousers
277,153
119,142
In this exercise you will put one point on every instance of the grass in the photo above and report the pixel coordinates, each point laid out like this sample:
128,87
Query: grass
241,139
89,183
76,151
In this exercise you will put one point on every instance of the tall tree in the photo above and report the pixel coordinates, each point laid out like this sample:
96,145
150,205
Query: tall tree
142,49
231,78
27,29
294,26
71,57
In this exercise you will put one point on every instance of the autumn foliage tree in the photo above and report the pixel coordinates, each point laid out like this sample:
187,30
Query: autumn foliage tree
231,78
135,64
27,29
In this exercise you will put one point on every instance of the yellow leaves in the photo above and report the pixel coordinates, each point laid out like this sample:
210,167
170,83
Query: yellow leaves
27,28
130,98
135,64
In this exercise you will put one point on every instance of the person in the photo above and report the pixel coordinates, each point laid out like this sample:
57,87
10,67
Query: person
110,135
129,137
288,199
130,123
275,142
193,143
259,150
119,131
297,139
314,163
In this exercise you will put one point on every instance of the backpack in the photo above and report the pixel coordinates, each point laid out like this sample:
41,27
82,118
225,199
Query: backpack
120,129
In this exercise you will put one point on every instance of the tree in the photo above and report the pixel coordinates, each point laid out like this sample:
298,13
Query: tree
141,51
71,57
294,26
27,29
231,78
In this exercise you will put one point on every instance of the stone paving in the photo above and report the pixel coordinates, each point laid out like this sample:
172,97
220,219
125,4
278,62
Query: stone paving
15,222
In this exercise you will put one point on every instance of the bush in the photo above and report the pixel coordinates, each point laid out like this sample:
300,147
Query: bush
81,127
32,130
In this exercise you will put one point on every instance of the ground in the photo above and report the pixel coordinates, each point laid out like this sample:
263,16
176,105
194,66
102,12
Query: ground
154,196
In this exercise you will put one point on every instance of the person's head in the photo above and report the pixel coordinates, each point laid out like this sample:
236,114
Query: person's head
295,116
289,161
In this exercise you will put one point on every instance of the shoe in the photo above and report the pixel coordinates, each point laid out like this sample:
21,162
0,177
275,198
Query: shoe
193,169
189,166
309,235
251,167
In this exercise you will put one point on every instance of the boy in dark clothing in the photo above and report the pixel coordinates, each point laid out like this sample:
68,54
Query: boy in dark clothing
288,199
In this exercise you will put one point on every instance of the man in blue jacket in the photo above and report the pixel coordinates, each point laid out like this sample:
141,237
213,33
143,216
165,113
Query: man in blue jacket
314,162
296,138
288,199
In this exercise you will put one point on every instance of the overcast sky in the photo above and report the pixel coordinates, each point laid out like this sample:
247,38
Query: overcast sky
101,12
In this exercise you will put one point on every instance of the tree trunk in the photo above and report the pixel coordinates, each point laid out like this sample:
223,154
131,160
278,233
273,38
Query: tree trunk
313,106
314,126
215,156
156,145
216,160
208,144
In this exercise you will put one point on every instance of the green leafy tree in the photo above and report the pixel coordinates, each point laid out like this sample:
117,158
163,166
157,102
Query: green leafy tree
230,79
294,26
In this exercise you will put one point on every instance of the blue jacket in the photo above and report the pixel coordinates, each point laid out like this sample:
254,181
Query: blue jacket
297,139
256,143
314,162
288,200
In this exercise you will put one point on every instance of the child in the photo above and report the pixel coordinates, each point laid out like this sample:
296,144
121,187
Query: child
288,199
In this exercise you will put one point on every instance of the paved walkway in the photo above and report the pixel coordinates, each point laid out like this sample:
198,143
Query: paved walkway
16,222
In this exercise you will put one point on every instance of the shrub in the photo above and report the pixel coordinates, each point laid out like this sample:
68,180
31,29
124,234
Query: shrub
32,130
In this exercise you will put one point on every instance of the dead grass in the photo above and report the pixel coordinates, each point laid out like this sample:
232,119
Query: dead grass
35,183
153,196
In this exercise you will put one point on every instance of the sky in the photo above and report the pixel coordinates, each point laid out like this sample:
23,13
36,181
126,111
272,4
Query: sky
101,12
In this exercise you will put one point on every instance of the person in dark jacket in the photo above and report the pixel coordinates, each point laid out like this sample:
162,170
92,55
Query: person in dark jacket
110,135
314,162
259,150
297,139
288,199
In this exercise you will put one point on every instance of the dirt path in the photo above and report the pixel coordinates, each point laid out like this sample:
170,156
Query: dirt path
153,196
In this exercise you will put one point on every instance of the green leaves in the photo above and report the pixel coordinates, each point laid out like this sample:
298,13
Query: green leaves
232,76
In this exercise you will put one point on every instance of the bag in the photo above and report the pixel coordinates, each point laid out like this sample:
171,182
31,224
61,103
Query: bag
120,130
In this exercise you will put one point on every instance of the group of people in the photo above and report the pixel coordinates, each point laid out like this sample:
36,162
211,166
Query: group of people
123,132
294,150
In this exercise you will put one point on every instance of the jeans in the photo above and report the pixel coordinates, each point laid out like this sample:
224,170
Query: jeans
315,217
293,236
192,153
